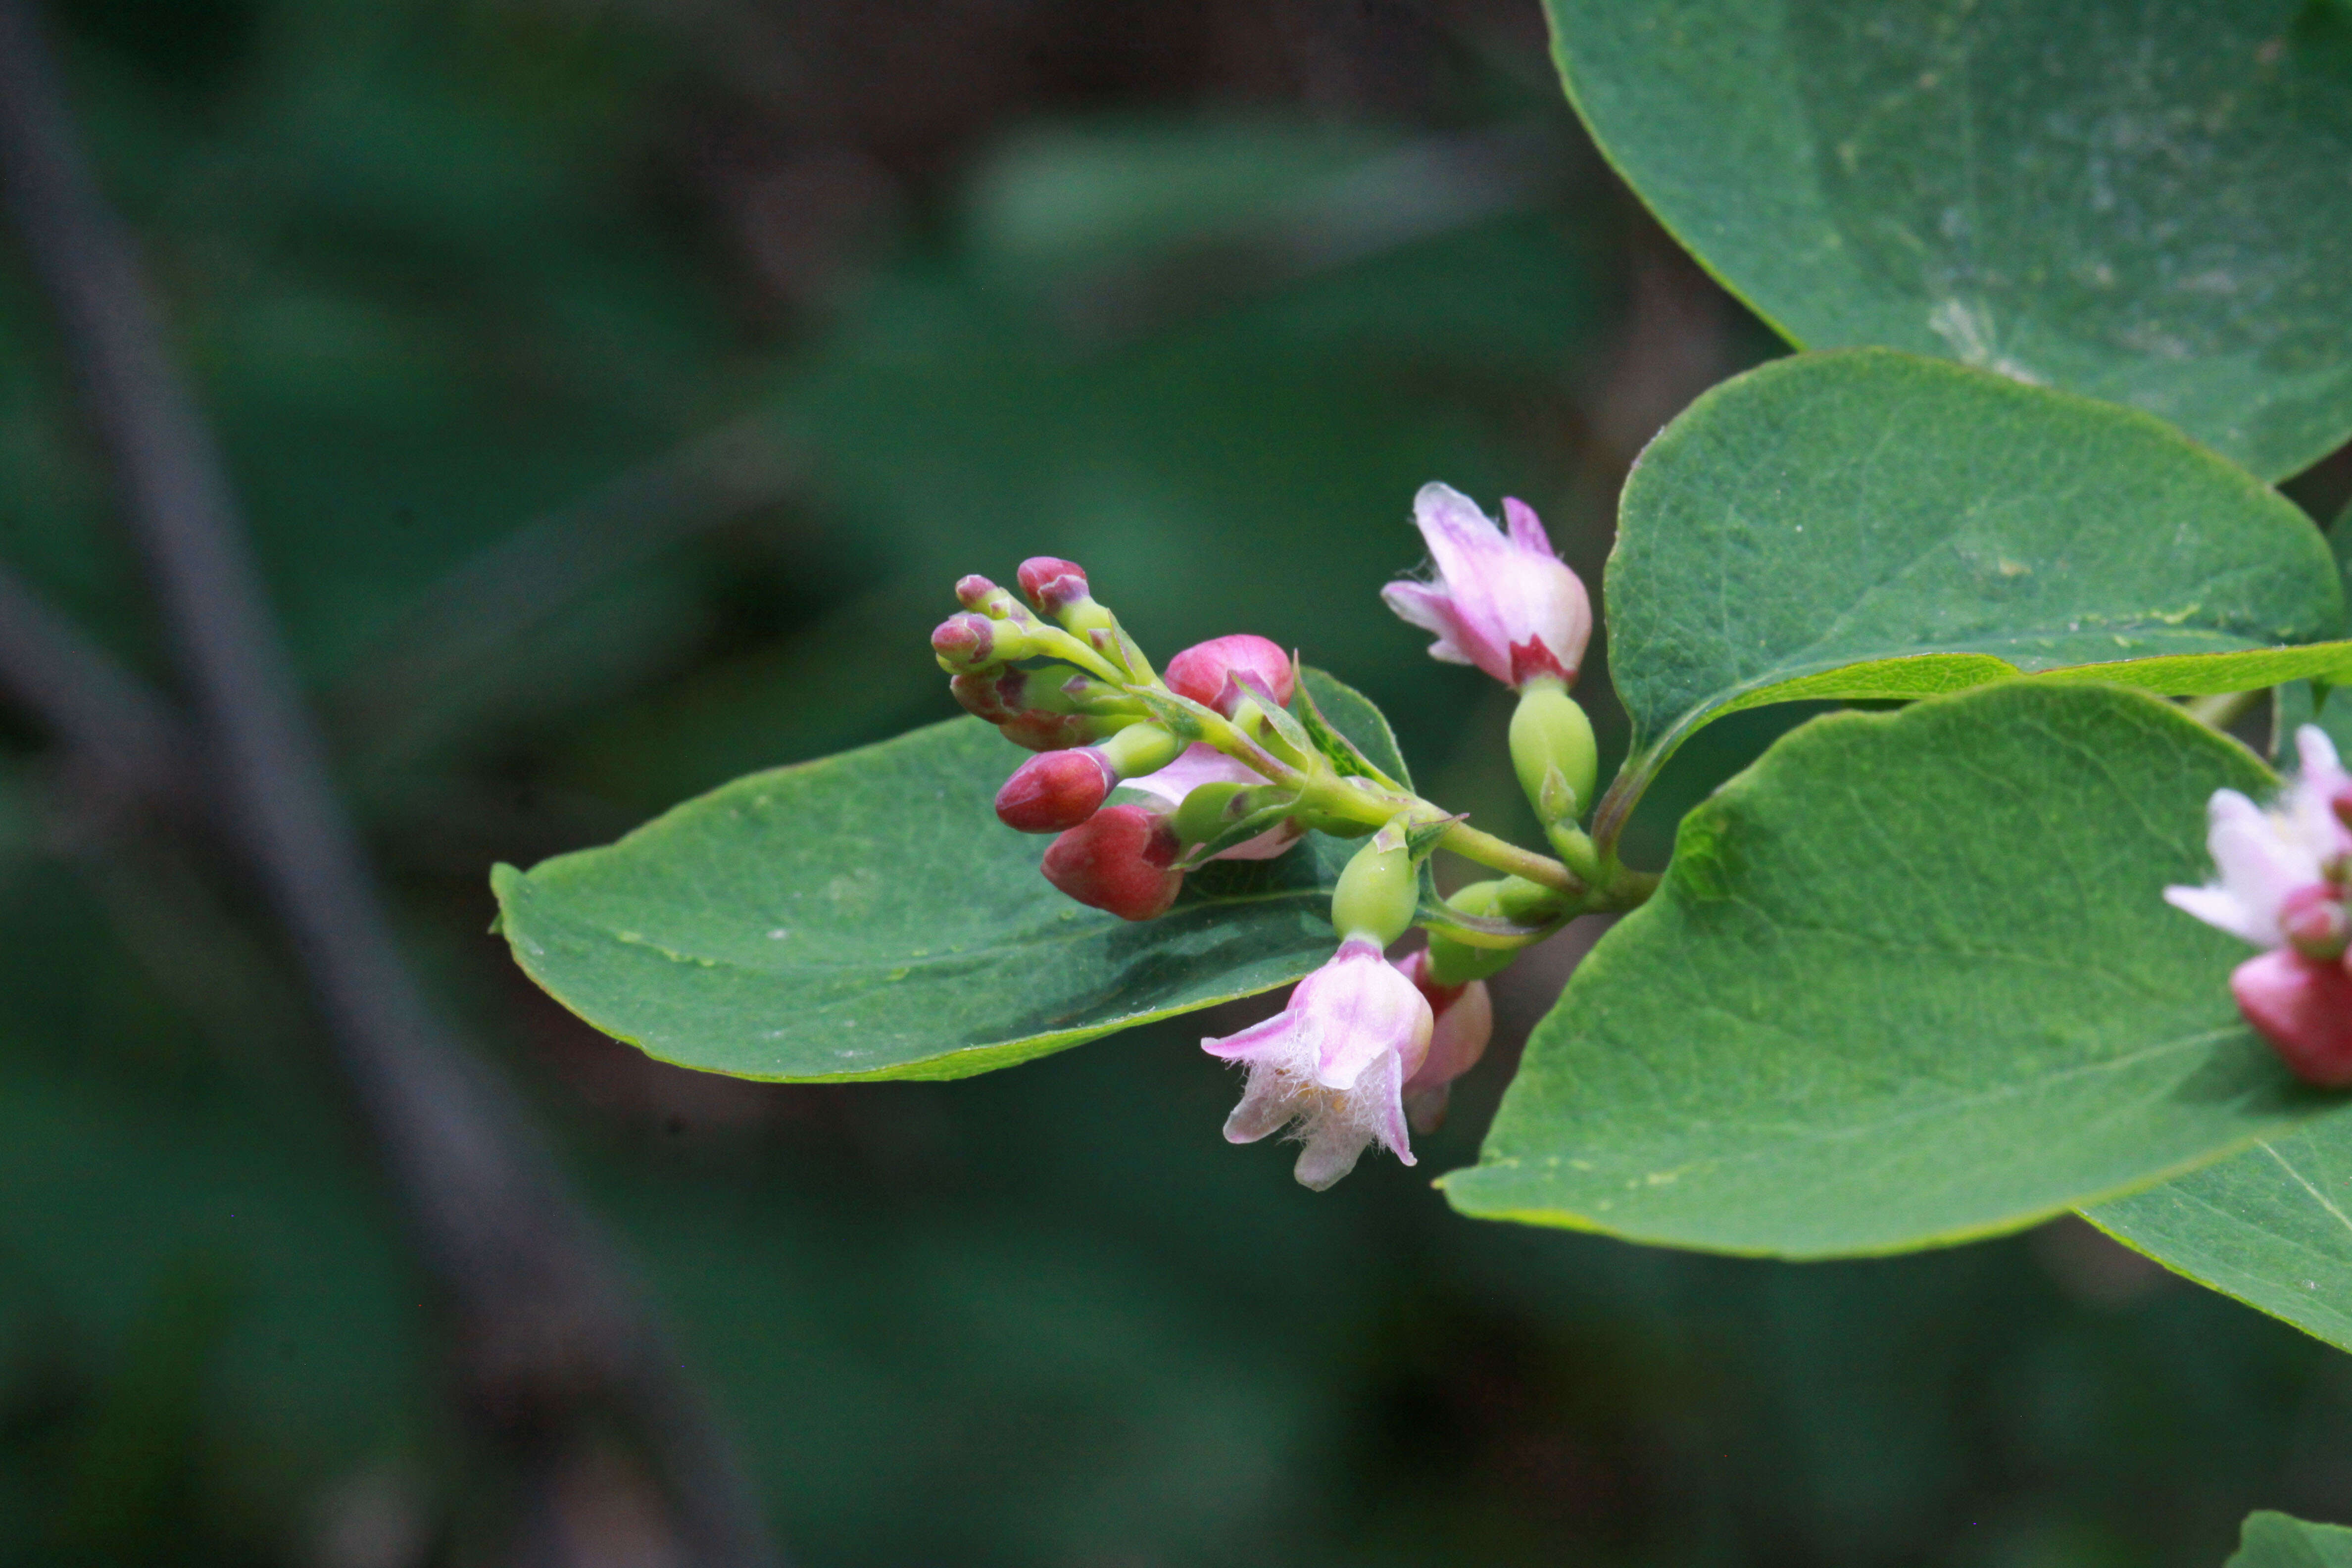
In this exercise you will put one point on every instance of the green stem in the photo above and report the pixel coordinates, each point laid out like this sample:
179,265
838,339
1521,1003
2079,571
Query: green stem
1502,855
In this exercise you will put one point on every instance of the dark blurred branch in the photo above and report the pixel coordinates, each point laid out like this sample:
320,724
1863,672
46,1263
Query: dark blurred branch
551,1328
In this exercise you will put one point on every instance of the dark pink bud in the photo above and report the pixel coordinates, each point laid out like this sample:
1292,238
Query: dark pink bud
2304,1007
1058,790
2340,803
1119,860
1216,673
2314,921
975,591
1051,582
965,639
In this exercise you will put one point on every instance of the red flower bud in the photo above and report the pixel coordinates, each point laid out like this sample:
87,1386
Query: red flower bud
1119,860
2313,920
1058,790
1051,582
975,592
2304,1007
1214,673
964,640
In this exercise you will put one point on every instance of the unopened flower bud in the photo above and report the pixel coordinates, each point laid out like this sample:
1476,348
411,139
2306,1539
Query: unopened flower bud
965,642
1379,892
1217,673
1059,588
977,592
1464,1022
1051,582
1055,791
1552,750
2304,1007
2313,920
1451,962
1119,860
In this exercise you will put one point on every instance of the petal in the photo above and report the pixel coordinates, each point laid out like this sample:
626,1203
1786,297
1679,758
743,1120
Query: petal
2316,751
1265,846
1274,1037
1527,529
1330,1153
2218,910
1417,604
1424,1109
2304,1007
1268,1102
1195,765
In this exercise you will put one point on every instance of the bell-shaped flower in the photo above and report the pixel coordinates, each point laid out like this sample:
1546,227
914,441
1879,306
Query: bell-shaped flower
2281,887
1334,1062
2265,856
1501,601
1201,763
1463,1022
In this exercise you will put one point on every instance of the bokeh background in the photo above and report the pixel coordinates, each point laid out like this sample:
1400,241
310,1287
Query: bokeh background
615,387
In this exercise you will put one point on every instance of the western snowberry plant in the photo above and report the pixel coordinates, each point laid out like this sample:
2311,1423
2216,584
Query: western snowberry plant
2033,933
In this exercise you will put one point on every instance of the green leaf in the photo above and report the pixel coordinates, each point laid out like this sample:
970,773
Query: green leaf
867,916
1908,980
2141,203
2278,1540
1871,525
2270,1226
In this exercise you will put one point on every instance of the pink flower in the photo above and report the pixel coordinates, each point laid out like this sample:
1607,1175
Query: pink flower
1464,1022
1508,605
2265,856
1335,1061
2281,887
1201,763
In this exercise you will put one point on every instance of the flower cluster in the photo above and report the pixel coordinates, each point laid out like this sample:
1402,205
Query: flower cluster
2283,886
1367,1049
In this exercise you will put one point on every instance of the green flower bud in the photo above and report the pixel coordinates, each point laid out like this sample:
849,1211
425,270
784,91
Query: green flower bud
1552,752
1379,891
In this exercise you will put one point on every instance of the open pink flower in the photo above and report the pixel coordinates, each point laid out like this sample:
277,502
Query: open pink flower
1201,763
1504,603
2279,886
2263,857
1335,1061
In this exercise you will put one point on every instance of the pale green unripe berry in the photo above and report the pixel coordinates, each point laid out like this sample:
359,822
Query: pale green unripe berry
1379,891
1553,752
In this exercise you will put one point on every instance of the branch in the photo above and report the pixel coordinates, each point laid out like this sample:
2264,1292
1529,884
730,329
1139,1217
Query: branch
549,1318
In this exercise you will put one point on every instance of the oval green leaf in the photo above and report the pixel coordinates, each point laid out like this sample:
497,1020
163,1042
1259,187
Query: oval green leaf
2147,204
1909,979
2270,1226
865,916
2270,1540
1873,524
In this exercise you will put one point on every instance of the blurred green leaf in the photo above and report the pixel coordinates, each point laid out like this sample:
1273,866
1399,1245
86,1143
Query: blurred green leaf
1871,524
867,916
2275,1540
2143,203
1910,980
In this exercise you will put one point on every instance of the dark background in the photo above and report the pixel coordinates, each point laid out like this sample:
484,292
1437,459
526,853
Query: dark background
733,331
